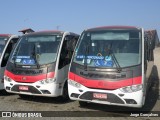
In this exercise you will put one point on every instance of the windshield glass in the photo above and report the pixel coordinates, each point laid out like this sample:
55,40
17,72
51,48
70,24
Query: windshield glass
97,48
33,50
3,41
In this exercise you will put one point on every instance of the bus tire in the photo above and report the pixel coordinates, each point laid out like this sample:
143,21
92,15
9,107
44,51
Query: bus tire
144,101
4,92
65,95
83,104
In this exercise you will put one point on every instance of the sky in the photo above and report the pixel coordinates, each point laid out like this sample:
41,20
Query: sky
77,15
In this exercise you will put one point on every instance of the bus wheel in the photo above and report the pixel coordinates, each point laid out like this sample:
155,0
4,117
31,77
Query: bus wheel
83,104
65,95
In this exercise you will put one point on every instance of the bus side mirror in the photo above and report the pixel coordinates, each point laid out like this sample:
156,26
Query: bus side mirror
66,38
151,44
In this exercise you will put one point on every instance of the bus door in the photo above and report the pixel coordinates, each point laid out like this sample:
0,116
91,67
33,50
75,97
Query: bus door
149,56
67,50
4,58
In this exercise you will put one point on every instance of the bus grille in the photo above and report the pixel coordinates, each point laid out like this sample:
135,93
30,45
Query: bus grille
31,89
27,72
110,97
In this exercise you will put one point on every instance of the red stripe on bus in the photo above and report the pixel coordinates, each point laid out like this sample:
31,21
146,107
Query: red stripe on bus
105,84
28,79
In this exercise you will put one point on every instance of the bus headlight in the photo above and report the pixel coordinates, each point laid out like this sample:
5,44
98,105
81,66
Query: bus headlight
74,83
7,79
132,88
47,81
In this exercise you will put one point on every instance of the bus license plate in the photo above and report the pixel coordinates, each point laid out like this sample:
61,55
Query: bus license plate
99,96
23,87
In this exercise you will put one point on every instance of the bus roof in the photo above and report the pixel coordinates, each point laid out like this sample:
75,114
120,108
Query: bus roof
112,27
46,32
27,30
5,35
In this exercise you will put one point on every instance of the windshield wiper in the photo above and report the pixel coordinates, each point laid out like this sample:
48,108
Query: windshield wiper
85,57
118,67
36,55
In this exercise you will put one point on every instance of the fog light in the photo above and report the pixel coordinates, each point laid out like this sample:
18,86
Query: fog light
75,95
45,92
8,88
130,101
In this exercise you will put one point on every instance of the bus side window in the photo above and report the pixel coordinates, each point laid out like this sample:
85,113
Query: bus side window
8,51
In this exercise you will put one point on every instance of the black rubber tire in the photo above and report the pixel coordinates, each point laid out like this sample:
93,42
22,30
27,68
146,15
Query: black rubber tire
4,92
65,95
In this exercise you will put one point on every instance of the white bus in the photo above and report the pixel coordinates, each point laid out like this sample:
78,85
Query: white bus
7,42
111,65
39,64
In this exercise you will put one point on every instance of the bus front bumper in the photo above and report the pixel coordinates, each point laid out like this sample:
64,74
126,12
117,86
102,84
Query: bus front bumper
108,97
36,89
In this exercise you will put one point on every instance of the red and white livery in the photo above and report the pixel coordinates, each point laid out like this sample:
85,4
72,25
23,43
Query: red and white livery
111,65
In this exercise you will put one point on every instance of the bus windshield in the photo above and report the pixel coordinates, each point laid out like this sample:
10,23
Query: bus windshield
3,41
33,50
97,48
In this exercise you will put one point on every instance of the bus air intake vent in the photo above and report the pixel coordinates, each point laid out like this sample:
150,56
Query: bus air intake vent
108,76
75,95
